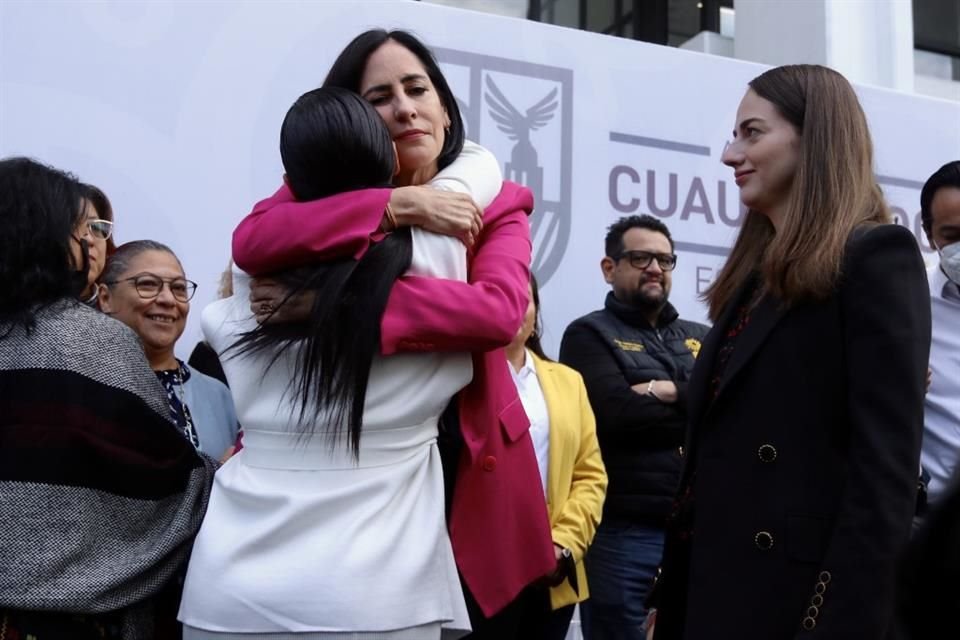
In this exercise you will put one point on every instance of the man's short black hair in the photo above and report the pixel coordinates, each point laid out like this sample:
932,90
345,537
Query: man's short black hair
946,176
614,240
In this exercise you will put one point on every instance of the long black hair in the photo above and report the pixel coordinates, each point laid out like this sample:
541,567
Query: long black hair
332,140
39,209
347,72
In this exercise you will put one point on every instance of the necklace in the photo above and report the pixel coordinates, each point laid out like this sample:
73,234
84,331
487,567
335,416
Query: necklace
173,383
188,429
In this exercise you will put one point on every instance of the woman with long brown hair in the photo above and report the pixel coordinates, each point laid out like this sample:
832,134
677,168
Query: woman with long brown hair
806,404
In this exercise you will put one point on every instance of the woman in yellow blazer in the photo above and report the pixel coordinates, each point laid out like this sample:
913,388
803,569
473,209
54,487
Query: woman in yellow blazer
564,435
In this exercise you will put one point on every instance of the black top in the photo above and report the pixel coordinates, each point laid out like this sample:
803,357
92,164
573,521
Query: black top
205,360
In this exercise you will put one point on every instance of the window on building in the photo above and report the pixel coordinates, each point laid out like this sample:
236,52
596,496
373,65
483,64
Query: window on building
670,22
936,33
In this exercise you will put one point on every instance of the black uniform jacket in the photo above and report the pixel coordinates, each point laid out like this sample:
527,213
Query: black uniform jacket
640,436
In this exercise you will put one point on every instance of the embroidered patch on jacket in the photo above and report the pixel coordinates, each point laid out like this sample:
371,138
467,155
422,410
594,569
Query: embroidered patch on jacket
629,346
694,345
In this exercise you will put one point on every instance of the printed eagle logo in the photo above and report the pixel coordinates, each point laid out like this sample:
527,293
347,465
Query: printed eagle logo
518,125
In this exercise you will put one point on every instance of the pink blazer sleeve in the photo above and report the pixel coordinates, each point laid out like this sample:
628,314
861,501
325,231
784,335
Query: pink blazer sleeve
431,314
422,314
281,233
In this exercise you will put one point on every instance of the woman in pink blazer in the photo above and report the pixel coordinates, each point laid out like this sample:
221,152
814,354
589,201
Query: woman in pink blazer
498,524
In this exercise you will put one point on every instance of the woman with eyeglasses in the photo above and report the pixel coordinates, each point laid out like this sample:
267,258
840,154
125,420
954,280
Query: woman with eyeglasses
144,286
99,493
95,231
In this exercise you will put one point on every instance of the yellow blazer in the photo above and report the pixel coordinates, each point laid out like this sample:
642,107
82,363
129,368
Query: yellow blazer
576,477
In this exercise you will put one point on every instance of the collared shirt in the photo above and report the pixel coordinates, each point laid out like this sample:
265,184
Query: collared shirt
535,406
941,430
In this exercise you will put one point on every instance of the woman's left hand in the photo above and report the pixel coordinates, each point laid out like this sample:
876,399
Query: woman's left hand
271,302
558,574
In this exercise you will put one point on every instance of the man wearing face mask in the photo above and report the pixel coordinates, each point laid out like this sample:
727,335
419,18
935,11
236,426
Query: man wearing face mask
940,214
635,356
928,589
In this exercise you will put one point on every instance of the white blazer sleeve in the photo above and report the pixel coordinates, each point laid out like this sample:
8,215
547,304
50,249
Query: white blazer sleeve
475,172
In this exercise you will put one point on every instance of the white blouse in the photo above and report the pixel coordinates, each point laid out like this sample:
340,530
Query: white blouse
535,406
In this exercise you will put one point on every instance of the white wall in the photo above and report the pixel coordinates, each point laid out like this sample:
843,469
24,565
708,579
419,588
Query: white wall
869,42
511,8
776,33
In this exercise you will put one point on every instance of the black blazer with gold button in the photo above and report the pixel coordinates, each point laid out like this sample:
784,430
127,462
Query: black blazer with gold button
803,467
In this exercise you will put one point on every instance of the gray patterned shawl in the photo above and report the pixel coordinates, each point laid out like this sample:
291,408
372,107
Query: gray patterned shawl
100,495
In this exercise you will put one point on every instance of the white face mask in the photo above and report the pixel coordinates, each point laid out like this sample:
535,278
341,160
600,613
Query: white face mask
950,261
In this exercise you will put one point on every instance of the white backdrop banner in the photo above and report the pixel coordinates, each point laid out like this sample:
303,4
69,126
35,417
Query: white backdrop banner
174,109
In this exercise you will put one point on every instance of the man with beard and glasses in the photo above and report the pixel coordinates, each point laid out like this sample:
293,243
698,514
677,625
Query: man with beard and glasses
635,356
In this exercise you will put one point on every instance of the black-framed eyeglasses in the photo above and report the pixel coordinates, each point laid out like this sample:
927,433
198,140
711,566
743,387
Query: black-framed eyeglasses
642,259
149,286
